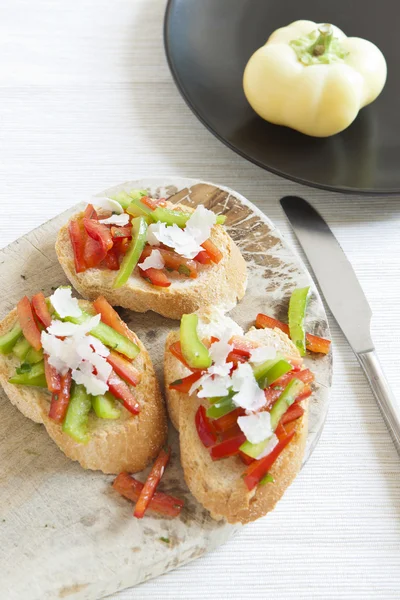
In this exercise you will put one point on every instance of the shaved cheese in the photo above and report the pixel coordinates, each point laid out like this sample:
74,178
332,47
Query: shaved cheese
107,204
98,346
256,426
62,329
249,395
213,386
219,352
218,325
119,220
85,351
262,354
153,261
200,223
272,442
62,353
64,304
93,385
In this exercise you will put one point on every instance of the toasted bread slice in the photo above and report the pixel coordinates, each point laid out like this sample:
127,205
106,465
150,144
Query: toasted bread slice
126,444
222,284
218,485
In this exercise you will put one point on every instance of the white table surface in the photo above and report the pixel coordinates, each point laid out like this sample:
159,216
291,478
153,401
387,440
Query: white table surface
87,101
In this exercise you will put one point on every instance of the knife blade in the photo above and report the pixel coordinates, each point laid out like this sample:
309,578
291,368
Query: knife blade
345,298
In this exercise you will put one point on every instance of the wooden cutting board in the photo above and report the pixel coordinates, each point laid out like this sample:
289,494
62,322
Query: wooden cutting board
64,532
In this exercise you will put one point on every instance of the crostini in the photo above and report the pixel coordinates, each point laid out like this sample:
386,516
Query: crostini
79,370
149,254
240,405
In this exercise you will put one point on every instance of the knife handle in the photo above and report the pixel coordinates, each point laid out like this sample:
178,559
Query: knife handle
387,401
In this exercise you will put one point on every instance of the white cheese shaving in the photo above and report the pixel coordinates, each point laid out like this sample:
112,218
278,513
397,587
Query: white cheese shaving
59,328
272,442
249,395
153,261
62,353
219,352
256,426
219,325
64,304
262,354
119,220
93,385
107,204
213,386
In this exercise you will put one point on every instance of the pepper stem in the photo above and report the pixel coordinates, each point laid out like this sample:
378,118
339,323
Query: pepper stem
323,41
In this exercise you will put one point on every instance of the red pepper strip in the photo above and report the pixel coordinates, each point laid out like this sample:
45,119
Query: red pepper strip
124,368
203,258
293,412
121,232
243,346
121,391
176,350
77,236
161,503
233,432
245,458
280,431
93,252
152,203
156,277
228,447
60,401
90,213
110,317
111,259
184,385
28,323
99,232
121,245
53,379
204,428
271,396
213,252
40,309
151,484
306,393
256,471
306,376
313,342
227,421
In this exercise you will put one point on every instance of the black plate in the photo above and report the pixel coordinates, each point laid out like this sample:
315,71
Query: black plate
208,43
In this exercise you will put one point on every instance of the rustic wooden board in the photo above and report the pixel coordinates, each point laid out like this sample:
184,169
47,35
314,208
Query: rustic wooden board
64,532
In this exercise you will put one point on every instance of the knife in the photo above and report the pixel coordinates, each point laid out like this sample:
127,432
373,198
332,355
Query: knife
351,310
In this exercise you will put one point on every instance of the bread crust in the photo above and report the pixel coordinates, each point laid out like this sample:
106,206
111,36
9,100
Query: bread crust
217,284
218,485
126,444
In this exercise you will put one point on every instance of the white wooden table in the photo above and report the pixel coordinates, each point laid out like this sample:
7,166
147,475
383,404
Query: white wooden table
86,101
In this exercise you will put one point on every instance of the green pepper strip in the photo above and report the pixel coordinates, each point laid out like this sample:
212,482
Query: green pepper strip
21,348
297,313
76,420
105,406
34,356
171,217
139,209
8,340
35,377
276,371
194,351
125,198
131,258
221,407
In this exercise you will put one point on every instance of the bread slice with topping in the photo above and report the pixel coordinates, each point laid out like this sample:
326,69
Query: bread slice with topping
218,484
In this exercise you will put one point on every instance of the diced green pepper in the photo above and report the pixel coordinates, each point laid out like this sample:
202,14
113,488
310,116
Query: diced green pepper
254,450
34,376
138,209
266,479
261,370
297,312
123,198
194,351
21,348
8,340
131,258
276,371
170,217
34,356
286,399
76,420
105,406
220,408
137,194
221,219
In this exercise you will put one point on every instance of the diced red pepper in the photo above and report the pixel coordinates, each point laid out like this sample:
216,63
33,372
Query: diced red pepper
233,432
151,484
271,396
306,376
110,317
28,323
228,447
121,245
124,368
111,259
59,401
121,391
173,261
176,350
90,212
41,309
228,421
161,503
213,252
295,411
156,277
243,346
99,232
204,428
313,342
256,471
306,393
203,258
53,378
245,458
93,253
77,236
184,385
121,232
152,203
